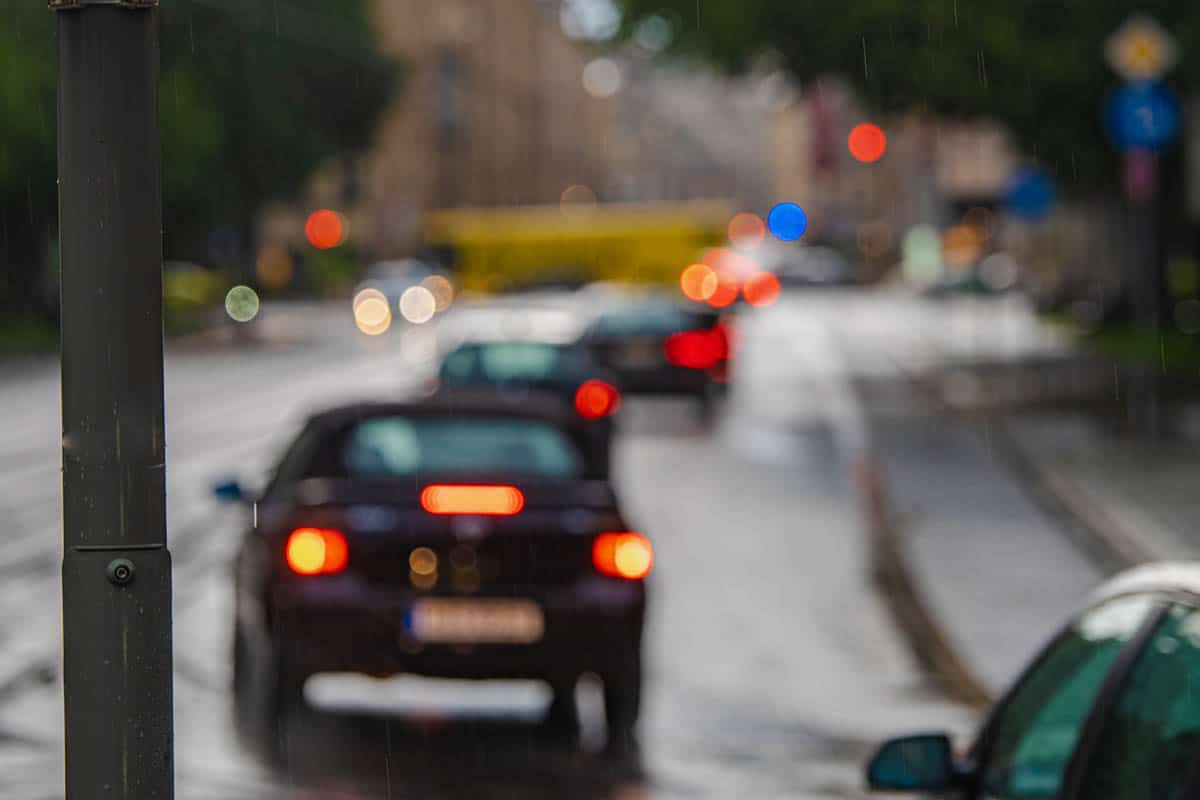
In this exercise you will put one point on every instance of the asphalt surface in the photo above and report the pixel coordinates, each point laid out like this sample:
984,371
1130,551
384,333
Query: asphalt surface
772,666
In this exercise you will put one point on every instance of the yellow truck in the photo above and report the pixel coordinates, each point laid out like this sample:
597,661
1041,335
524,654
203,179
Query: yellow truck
494,248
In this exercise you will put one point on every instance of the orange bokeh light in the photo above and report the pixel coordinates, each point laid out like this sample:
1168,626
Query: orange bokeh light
698,282
747,229
626,555
867,142
761,289
325,229
316,551
726,291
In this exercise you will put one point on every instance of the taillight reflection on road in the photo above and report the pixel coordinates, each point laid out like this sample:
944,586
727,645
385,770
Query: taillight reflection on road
503,501
623,555
316,551
595,399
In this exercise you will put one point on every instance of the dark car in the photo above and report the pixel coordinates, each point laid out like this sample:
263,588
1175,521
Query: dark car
664,348
441,538
566,371
521,368
1108,710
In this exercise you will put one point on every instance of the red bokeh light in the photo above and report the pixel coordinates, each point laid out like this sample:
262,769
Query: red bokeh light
726,291
761,289
867,142
325,229
747,229
596,398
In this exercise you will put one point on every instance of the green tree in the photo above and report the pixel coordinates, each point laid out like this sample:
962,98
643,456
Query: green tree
1037,66
254,95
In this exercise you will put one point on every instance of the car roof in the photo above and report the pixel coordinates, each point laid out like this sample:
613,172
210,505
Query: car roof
452,404
1177,577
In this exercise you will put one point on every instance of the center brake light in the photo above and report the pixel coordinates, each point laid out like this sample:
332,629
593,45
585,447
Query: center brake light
595,399
496,501
623,555
316,551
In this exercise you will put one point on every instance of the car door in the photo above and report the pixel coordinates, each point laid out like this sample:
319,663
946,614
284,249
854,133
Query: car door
1148,744
1028,744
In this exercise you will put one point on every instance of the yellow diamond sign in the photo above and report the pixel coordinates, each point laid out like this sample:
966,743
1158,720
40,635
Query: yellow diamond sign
1141,50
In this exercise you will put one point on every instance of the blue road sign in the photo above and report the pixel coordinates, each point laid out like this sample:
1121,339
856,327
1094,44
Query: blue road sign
1142,116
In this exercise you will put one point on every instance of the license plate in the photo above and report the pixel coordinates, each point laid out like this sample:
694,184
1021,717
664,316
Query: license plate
637,355
448,621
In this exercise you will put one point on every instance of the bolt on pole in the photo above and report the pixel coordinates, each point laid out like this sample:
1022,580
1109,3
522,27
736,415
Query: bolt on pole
116,580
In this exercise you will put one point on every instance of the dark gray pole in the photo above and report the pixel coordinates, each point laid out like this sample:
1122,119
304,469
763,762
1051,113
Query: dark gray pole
116,568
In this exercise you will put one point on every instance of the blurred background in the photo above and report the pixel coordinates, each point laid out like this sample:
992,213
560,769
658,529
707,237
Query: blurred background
959,244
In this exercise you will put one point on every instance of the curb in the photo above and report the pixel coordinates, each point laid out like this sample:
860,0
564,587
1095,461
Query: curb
1108,542
890,571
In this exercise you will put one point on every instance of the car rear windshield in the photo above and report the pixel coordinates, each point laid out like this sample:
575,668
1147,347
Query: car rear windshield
396,446
661,321
509,361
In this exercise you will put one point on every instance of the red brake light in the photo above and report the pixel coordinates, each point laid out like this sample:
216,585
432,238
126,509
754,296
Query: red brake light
316,551
501,501
595,399
623,555
697,349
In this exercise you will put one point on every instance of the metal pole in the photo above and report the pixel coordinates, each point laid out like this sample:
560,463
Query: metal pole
116,568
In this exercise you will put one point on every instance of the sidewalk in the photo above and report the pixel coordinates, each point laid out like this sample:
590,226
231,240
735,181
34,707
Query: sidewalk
996,499
995,573
1140,499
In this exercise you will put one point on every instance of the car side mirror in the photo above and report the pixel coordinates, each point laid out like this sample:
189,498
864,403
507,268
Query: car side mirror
920,763
230,492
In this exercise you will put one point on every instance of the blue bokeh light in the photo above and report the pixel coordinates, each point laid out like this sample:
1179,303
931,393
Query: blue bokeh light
1030,195
787,221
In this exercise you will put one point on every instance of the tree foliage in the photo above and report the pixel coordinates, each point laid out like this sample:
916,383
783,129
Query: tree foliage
1037,66
254,95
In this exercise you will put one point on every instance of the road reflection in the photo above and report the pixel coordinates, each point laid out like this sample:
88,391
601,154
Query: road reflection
353,755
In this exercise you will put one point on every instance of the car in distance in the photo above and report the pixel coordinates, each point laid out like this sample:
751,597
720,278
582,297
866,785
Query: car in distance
448,539
664,348
1107,711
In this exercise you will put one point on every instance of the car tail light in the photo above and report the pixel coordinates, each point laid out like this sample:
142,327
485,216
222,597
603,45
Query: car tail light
595,399
316,551
501,501
623,555
697,349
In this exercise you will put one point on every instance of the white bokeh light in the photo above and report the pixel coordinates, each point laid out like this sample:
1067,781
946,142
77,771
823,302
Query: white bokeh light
602,77
418,305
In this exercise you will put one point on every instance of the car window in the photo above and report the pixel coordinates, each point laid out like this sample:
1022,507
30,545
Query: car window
1149,747
1031,741
646,320
401,446
509,361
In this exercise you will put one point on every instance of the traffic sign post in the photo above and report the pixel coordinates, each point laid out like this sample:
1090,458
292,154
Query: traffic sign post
116,568
1143,117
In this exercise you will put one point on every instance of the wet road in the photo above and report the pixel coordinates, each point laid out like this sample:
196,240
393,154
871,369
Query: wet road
771,664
